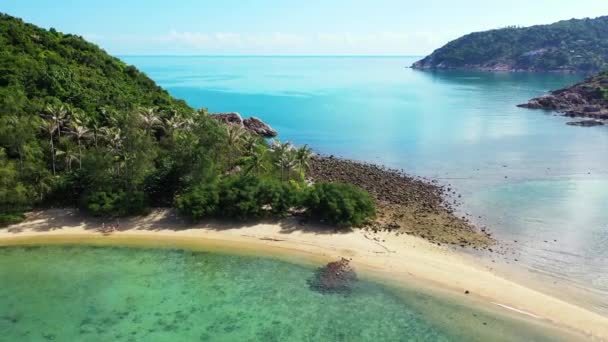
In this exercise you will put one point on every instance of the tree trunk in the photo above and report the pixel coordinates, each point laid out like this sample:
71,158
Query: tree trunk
53,154
20,151
79,155
58,128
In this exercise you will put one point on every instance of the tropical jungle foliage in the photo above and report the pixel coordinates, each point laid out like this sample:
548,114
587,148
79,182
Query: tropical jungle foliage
574,45
81,128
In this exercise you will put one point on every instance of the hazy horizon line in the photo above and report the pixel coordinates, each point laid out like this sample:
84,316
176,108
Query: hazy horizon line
263,55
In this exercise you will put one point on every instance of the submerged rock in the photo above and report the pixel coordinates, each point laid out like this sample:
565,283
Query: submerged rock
259,127
586,123
335,277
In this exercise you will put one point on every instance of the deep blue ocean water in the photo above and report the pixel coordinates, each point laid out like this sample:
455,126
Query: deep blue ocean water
524,174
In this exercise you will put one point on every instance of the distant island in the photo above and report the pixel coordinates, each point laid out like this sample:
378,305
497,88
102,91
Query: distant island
576,45
587,99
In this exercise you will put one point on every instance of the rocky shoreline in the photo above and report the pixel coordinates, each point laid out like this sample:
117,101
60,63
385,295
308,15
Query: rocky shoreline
424,66
405,205
587,99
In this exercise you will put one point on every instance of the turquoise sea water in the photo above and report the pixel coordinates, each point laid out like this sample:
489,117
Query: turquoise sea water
525,174
79,293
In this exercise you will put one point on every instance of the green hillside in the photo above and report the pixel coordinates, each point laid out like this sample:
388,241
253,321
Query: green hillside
79,127
571,45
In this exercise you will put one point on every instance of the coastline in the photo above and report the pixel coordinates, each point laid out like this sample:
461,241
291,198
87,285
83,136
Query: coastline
383,256
499,69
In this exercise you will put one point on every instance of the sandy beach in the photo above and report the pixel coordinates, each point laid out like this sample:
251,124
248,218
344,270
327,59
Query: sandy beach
403,259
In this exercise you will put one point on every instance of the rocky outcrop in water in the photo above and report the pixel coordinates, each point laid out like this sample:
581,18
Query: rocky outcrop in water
587,99
259,127
252,124
232,118
585,123
335,277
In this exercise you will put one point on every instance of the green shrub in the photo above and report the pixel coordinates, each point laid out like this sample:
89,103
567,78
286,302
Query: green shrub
11,218
240,197
342,204
278,196
115,203
15,197
199,202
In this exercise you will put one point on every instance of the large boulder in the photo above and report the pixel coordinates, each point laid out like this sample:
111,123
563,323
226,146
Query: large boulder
232,118
252,124
259,127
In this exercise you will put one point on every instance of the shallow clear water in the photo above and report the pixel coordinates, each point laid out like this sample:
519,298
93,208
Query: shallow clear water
79,293
529,176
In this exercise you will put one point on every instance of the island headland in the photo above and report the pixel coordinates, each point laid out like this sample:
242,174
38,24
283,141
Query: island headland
582,47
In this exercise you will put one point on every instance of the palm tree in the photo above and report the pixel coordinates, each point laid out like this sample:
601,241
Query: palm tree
254,160
284,158
149,119
114,137
50,127
302,157
174,123
68,152
58,114
234,138
250,144
80,132
95,128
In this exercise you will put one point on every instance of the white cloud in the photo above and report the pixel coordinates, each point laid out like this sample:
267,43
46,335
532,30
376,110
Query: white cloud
278,43
194,39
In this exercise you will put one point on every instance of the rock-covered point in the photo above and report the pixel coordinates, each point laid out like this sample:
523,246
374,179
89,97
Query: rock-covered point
259,127
587,99
252,124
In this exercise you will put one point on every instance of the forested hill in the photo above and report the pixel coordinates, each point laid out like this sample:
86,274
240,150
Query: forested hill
79,127
40,67
577,45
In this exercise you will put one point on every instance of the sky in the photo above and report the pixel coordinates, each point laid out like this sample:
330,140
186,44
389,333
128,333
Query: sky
288,27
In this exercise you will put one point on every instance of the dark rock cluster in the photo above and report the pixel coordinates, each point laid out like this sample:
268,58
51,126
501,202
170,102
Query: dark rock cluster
586,123
232,118
259,127
384,184
405,204
252,124
335,277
